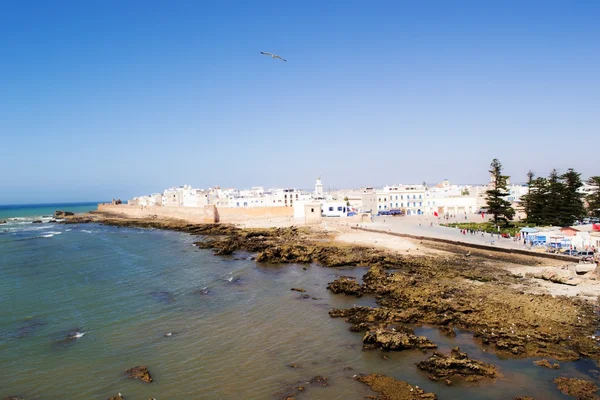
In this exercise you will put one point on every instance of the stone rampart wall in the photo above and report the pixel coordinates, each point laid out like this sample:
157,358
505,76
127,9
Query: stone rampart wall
198,214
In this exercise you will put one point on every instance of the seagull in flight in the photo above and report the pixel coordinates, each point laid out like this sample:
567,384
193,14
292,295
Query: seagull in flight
273,56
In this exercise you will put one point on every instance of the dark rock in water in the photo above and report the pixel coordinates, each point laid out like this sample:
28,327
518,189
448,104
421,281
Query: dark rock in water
400,338
52,221
29,327
2,221
117,397
298,290
165,297
390,388
319,380
37,221
448,331
578,388
346,285
140,372
305,296
456,364
61,214
524,398
169,334
547,364
13,398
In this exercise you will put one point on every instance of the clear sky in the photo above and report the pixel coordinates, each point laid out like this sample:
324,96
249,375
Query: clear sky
103,99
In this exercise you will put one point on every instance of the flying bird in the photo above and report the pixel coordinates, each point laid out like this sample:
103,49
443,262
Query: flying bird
273,56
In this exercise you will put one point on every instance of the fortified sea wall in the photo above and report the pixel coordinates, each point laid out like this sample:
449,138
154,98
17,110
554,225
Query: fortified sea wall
206,214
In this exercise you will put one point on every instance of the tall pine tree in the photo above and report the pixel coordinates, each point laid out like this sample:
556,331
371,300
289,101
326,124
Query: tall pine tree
526,199
572,201
593,199
497,205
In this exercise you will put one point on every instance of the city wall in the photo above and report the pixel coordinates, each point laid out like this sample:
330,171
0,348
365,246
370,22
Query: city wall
207,214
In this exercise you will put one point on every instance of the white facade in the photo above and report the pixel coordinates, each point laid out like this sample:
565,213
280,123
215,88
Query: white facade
334,209
318,189
400,197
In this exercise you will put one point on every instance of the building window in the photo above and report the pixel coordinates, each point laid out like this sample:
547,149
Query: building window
330,208
401,204
340,209
420,197
312,210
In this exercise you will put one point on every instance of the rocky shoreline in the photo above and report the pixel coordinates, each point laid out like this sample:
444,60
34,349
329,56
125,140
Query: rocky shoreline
446,291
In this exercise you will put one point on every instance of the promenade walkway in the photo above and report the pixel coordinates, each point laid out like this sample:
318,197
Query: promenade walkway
421,226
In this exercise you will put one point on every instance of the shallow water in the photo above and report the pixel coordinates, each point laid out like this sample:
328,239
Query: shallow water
236,325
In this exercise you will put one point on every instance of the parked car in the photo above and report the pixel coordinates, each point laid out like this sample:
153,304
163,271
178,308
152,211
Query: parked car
586,255
573,253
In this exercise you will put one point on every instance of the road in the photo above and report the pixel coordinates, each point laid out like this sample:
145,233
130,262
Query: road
421,226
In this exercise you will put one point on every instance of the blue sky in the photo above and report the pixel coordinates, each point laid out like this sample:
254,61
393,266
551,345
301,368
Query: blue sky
103,99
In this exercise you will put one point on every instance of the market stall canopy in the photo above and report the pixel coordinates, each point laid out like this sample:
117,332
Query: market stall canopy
528,230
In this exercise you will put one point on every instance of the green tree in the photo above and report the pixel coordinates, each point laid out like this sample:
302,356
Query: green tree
539,194
526,199
497,205
572,201
593,199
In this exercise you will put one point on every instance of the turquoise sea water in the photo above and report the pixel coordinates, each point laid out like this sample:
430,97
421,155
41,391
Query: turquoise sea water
41,210
236,325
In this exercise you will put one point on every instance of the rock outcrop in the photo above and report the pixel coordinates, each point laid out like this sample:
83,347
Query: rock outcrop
578,388
396,339
37,221
456,364
346,285
117,397
2,221
62,214
547,364
140,372
392,389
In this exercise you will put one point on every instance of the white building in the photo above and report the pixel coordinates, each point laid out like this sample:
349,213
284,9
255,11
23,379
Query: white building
409,198
318,189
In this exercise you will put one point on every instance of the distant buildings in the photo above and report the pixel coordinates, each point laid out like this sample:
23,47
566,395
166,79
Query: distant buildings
418,199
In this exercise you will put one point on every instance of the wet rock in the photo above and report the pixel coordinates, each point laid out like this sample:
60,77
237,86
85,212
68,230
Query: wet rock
293,365
524,398
457,363
396,339
547,364
140,372
319,380
2,221
162,296
13,398
52,221
62,214
298,290
392,389
447,330
29,327
346,285
117,397
37,221
578,388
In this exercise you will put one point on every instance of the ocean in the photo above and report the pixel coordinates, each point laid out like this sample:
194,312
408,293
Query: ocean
236,327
